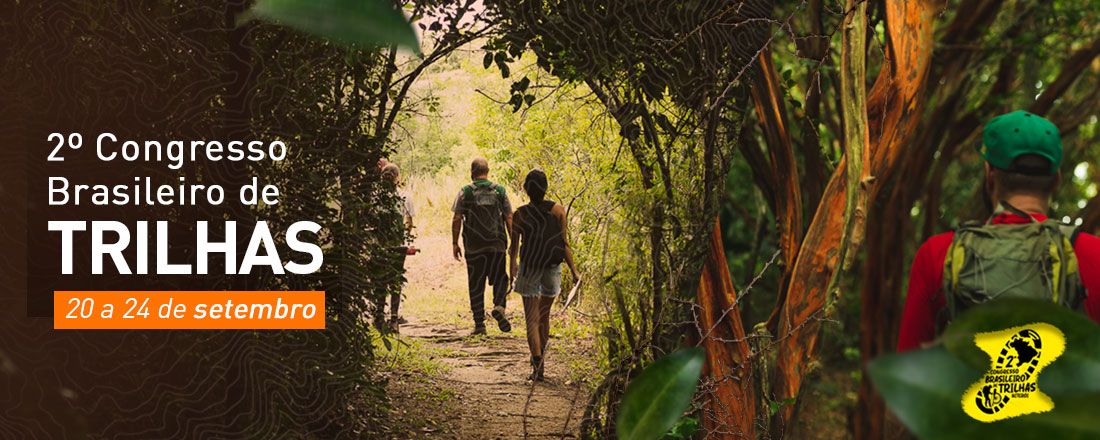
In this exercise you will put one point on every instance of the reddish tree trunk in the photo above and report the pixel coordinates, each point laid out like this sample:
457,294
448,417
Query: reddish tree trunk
767,96
729,399
894,109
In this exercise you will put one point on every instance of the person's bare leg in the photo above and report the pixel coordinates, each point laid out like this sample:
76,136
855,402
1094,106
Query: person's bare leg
544,320
531,316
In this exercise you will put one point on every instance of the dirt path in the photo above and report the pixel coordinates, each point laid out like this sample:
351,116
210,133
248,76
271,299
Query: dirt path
447,384
493,397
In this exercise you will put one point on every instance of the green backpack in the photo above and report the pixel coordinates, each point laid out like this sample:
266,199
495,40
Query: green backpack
483,224
1033,260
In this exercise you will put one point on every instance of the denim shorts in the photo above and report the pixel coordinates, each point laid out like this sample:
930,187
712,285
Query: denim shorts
542,281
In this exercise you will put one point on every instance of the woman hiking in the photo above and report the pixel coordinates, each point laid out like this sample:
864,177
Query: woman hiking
539,241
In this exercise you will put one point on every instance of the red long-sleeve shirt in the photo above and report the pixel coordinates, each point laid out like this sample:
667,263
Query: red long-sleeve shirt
925,298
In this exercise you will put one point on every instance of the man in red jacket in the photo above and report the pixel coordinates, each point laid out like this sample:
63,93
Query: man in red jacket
1023,153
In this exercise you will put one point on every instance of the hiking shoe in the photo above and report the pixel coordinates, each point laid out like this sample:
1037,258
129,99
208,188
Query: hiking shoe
502,321
479,330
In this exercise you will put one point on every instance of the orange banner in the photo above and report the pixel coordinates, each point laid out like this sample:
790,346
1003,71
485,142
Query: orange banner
190,310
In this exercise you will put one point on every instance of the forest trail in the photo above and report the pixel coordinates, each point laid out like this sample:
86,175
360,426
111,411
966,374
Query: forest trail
493,397
446,384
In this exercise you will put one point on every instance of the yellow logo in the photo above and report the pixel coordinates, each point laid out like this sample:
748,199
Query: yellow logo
1010,387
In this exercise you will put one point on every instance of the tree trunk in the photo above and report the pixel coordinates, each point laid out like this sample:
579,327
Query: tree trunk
767,97
893,111
881,287
729,398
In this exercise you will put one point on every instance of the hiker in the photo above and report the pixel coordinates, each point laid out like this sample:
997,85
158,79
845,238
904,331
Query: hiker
392,174
539,240
483,216
1010,254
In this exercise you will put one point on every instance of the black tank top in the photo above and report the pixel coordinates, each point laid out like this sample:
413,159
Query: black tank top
542,243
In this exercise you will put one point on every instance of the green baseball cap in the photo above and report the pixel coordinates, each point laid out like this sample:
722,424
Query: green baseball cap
1011,135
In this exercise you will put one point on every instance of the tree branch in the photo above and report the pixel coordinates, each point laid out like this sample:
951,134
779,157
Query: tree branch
1071,69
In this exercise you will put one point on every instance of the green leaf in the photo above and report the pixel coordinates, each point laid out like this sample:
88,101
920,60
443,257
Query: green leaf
655,400
352,22
516,101
515,50
775,405
664,122
684,429
924,388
